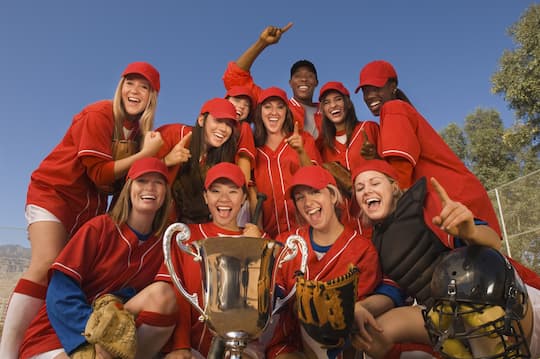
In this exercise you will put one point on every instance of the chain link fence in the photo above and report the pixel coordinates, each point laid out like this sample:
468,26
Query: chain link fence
517,204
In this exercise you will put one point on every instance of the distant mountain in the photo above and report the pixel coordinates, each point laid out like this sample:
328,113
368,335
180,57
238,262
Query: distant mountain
14,259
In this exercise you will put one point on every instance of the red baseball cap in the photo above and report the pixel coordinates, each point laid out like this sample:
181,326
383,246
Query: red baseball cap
376,73
312,176
219,108
146,70
226,170
333,85
273,92
237,91
148,165
375,165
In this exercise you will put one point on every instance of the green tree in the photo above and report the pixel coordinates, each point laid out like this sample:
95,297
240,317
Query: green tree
455,138
491,159
518,77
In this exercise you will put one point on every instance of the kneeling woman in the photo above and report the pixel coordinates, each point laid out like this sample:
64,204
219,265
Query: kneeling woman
224,193
332,248
117,253
411,230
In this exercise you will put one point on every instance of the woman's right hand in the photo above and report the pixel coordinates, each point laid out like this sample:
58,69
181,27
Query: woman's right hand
180,153
180,354
362,340
152,142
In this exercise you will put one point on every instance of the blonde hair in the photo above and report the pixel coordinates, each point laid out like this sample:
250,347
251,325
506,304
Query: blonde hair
337,206
396,195
146,119
120,212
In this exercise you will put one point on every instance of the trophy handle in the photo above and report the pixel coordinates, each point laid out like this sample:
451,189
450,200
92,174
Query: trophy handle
183,234
293,243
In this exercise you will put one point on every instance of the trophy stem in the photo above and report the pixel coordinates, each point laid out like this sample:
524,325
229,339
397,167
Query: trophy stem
236,342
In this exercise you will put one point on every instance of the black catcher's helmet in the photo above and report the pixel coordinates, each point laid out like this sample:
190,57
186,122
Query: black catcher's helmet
479,301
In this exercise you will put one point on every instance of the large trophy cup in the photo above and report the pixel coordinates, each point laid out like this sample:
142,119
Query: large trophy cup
237,281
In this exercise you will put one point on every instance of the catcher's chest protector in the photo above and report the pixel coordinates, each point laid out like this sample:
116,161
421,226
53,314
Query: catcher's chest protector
408,249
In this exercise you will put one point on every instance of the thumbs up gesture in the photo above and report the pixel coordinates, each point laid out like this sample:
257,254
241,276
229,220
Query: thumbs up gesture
455,218
180,153
368,150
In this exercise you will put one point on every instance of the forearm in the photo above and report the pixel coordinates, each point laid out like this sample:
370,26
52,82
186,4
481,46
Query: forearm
377,304
246,60
485,236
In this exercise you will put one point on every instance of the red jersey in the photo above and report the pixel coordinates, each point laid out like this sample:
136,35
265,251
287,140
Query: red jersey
349,248
62,183
405,133
102,257
273,173
246,144
190,331
349,156
236,76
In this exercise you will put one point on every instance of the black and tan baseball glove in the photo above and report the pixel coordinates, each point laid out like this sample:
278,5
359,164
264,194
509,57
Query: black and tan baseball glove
112,327
326,309
342,176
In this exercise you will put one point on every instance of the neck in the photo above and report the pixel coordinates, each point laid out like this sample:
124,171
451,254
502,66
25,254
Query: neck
329,234
141,222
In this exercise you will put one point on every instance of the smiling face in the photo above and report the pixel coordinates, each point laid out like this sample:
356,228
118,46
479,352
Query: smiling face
135,94
303,83
148,193
375,97
333,107
242,104
375,194
273,114
317,207
216,131
224,200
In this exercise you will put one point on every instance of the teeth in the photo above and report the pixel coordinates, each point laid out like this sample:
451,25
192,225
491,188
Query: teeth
336,112
220,208
148,197
303,87
133,99
219,135
314,210
374,103
372,200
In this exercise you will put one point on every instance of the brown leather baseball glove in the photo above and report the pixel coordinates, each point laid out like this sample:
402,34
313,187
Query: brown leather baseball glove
112,327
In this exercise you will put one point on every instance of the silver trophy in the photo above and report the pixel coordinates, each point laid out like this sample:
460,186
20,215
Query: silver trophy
238,275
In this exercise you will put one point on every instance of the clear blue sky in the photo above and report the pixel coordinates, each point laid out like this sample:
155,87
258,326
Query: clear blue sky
58,56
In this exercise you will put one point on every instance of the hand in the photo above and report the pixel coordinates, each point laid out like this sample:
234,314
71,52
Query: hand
369,150
180,354
455,218
251,230
272,34
180,153
152,142
295,140
364,320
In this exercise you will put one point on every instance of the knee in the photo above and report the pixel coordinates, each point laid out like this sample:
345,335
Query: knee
162,298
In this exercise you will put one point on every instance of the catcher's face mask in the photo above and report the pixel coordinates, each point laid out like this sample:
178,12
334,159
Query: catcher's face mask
475,331
479,304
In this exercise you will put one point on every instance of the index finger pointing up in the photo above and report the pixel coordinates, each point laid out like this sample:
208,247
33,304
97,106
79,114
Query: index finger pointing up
441,192
286,27
184,142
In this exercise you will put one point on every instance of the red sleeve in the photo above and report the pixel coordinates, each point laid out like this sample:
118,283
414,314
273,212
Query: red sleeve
246,144
93,128
404,170
236,76
398,132
311,149
100,171
286,338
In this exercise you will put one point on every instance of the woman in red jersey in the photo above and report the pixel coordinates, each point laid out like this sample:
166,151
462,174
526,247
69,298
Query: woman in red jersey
72,183
117,253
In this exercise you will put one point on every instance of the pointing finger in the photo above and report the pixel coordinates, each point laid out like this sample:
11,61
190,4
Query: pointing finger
441,192
286,27
296,130
185,141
